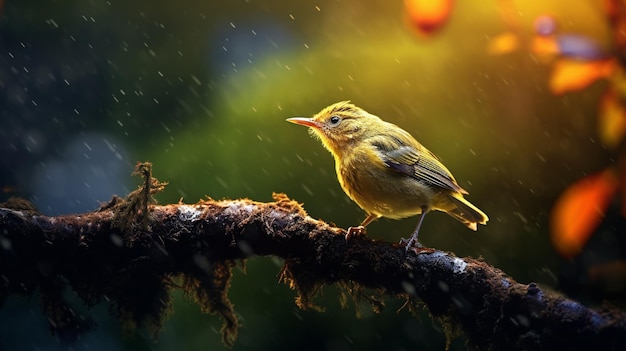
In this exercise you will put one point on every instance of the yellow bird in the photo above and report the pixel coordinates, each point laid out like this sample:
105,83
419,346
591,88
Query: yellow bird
386,171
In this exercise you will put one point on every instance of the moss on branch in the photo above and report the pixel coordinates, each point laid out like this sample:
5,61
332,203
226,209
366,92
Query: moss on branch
134,253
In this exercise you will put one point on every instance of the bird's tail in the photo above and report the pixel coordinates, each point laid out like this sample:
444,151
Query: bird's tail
465,212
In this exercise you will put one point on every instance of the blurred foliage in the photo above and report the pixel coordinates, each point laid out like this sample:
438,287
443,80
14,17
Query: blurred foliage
202,90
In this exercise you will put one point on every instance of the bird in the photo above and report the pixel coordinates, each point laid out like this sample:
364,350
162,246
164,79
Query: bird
385,171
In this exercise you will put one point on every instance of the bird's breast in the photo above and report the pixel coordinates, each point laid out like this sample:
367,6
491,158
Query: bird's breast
379,189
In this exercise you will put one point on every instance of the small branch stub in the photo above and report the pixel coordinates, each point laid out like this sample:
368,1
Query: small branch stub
132,250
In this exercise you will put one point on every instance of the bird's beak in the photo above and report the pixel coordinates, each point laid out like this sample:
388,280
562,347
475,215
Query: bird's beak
303,121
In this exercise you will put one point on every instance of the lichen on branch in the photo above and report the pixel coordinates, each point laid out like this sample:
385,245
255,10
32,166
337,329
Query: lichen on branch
134,253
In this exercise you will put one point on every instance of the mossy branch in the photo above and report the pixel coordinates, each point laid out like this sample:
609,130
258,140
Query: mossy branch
131,251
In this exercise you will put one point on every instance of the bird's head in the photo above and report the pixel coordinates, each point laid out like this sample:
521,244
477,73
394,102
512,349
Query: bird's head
339,125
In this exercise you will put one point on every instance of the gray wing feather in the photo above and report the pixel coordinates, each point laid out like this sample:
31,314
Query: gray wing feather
413,163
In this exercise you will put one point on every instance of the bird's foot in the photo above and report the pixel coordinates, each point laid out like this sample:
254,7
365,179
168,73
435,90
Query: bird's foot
355,231
411,243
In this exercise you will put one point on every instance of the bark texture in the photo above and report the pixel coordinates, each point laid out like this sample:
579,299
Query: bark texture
132,253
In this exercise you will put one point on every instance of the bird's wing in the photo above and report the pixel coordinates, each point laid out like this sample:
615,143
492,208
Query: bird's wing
421,164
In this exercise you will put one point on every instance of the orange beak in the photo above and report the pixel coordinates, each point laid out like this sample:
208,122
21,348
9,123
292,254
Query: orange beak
303,121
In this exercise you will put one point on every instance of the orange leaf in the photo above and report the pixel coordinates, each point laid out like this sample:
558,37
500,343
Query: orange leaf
544,46
612,119
503,44
579,210
428,15
572,75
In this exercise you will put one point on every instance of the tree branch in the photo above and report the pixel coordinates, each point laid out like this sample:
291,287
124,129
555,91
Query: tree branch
135,268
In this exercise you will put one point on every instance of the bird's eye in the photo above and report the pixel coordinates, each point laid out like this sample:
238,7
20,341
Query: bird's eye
334,120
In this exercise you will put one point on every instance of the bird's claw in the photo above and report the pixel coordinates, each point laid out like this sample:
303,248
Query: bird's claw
411,243
355,231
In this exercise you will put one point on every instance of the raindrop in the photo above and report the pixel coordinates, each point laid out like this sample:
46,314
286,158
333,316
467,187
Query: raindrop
522,320
307,189
53,23
202,262
245,248
5,243
443,286
117,240
196,80
462,304
408,287
221,182
297,314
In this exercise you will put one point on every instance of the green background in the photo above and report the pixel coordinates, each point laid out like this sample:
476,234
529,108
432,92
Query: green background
202,89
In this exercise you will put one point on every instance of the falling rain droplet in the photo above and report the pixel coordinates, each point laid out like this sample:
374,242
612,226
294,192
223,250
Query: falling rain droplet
117,240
